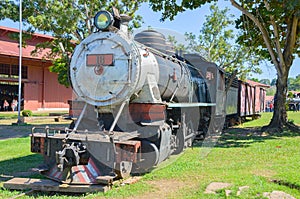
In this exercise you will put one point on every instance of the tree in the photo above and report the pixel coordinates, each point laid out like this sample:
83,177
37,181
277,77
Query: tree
216,43
69,21
178,47
294,83
272,27
273,82
265,81
254,79
271,91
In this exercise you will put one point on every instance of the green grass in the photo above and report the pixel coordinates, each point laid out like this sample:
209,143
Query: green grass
266,118
16,156
242,159
14,115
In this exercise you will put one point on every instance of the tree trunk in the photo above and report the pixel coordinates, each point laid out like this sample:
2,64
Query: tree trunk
279,119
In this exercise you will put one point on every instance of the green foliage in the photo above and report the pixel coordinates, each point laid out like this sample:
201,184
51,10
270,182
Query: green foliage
273,82
216,43
265,81
60,66
282,13
294,83
290,95
171,8
27,113
271,91
69,21
177,46
254,79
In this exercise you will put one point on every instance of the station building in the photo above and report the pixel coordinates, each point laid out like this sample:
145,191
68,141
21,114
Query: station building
40,87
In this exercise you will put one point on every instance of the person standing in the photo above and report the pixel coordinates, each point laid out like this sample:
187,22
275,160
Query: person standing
5,105
14,105
271,107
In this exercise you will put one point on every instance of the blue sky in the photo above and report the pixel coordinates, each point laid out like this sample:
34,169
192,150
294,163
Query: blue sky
190,21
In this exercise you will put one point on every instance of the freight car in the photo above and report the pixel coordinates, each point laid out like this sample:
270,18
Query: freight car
244,99
141,104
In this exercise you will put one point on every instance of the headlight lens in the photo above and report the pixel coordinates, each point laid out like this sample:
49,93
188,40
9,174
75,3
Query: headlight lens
103,20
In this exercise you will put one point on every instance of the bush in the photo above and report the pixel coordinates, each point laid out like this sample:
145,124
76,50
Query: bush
27,113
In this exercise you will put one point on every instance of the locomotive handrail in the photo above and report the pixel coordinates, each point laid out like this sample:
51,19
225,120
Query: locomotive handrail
188,104
80,117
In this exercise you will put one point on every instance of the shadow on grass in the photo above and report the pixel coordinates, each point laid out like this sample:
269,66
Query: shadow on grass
242,137
15,131
287,184
19,167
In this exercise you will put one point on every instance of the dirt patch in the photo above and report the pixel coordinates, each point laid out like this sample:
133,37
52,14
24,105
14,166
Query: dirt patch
267,173
162,189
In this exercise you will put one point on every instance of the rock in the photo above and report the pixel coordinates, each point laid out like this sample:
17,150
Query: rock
228,192
277,195
215,186
241,189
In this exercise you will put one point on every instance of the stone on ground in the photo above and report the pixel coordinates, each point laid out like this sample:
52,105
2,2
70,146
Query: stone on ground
278,195
241,189
215,186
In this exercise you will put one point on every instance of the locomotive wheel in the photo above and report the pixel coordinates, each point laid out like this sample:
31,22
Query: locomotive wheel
123,169
150,155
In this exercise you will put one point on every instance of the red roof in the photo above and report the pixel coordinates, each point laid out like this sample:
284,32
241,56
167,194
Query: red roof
10,47
253,83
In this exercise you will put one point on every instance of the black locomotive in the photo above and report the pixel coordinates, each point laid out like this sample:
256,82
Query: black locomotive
141,104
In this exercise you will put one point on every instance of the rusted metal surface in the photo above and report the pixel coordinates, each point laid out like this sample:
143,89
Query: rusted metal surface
251,98
128,151
107,180
49,185
38,144
143,112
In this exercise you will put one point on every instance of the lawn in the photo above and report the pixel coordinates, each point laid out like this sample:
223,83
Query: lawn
242,158
266,117
37,118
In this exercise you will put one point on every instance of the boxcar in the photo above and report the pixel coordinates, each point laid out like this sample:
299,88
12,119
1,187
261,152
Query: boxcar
251,99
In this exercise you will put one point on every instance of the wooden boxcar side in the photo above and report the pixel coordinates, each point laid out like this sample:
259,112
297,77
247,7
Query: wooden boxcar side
251,98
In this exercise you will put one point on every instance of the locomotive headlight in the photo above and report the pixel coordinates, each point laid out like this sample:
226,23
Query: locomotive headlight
103,20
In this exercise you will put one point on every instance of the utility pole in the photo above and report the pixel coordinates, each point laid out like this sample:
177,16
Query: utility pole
20,64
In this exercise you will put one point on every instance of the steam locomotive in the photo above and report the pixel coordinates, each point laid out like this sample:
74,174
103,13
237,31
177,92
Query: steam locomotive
142,103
